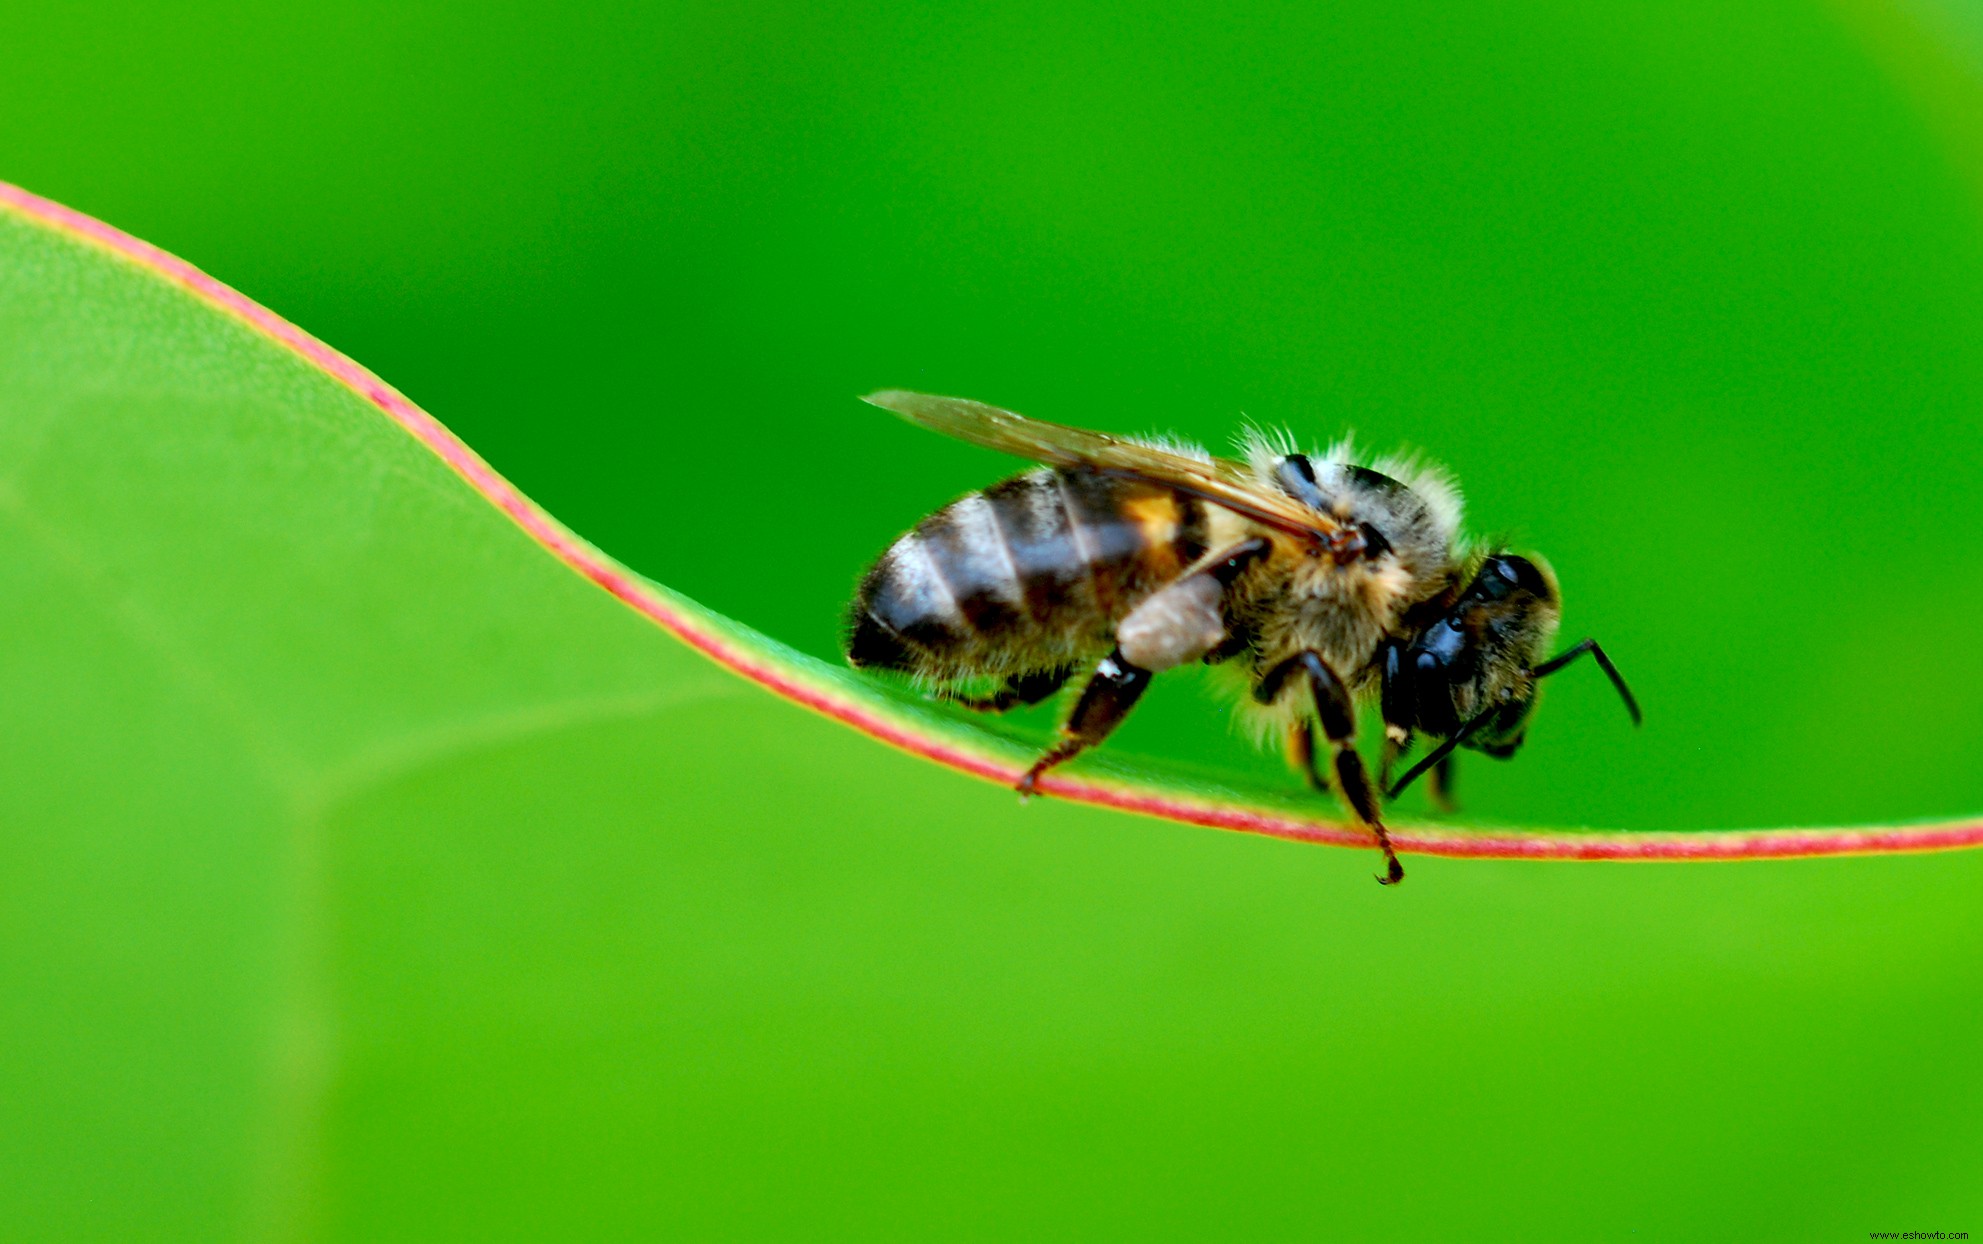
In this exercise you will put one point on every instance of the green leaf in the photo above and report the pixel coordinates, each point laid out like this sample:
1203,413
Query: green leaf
377,862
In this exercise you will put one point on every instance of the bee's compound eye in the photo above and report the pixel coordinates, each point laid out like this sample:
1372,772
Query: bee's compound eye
1504,575
1524,574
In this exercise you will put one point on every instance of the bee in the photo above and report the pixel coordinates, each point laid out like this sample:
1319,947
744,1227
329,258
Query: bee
1326,584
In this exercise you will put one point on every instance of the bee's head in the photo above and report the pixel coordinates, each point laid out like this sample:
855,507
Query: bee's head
1476,663
1471,677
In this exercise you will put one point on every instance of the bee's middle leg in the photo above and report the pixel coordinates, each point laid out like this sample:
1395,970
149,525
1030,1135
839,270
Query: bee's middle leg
1336,713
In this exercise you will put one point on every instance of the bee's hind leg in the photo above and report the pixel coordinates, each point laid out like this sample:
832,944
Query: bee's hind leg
1336,713
1111,692
1178,623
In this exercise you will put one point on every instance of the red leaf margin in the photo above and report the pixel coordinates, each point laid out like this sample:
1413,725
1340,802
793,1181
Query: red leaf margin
788,677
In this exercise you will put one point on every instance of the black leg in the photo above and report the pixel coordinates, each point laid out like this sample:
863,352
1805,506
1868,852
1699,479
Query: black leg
1018,689
1396,700
1336,713
1562,659
1438,755
1164,634
1111,692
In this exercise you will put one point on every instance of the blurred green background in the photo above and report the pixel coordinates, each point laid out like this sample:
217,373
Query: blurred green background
1690,297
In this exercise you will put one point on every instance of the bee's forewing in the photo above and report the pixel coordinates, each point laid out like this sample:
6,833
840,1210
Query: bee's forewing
1221,482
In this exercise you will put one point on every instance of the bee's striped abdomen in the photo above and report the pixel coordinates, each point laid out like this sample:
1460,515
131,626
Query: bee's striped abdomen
1029,575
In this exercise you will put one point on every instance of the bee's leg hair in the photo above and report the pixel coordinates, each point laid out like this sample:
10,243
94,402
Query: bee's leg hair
1336,713
1111,692
1018,689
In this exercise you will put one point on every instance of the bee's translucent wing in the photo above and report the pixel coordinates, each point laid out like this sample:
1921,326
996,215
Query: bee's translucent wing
1219,481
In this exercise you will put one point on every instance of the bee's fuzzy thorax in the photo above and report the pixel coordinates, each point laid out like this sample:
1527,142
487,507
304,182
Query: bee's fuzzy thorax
1263,448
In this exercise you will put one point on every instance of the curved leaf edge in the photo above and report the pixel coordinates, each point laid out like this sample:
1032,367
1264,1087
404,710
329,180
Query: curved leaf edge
902,723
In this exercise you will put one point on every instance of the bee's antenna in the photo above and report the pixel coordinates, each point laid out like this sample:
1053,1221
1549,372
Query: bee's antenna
1440,753
1604,662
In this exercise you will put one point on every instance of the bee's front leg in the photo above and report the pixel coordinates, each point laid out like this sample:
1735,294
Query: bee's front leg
1439,786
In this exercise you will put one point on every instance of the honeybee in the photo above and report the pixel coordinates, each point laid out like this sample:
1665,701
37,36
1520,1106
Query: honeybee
1325,583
